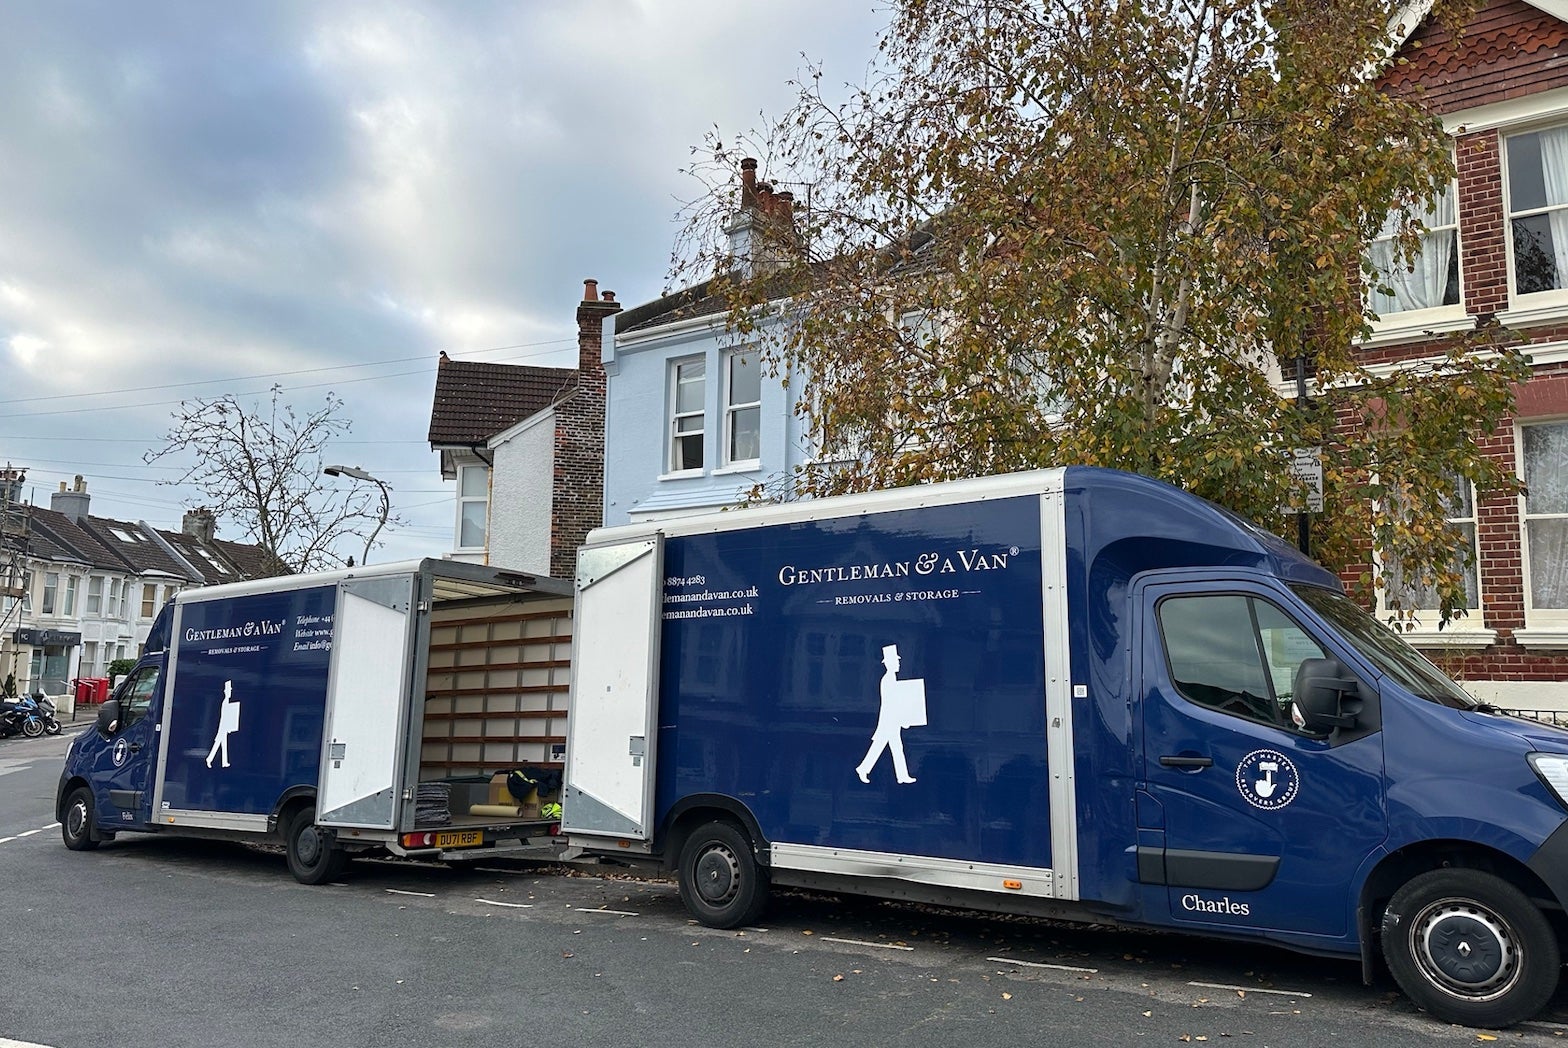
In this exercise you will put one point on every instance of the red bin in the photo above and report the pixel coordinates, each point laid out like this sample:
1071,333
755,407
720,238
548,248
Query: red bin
90,690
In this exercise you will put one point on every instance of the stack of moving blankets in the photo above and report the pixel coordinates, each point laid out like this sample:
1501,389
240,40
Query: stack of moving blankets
433,804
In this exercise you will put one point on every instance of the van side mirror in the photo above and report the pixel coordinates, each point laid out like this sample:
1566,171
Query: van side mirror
108,717
1325,696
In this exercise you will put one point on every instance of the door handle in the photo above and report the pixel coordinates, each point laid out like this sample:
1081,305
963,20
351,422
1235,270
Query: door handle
136,747
1186,762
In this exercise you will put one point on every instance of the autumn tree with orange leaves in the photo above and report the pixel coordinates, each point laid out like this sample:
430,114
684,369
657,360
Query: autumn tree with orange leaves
1101,232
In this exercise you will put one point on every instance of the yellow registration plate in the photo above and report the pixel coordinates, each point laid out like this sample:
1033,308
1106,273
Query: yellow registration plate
460,839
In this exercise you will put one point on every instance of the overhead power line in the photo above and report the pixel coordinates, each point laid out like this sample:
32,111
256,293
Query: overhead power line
286,374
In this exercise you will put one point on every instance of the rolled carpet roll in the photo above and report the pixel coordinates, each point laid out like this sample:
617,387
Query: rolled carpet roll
510,811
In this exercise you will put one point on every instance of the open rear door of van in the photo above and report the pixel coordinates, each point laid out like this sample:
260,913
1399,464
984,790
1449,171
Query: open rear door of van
611,732
367,702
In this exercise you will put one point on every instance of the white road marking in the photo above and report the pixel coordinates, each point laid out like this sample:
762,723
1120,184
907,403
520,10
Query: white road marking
17,837
513,905
1250,989
1041,964
878,945
618,913
6,1042
422,895
7,771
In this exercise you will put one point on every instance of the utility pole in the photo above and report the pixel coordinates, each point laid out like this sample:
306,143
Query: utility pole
13,564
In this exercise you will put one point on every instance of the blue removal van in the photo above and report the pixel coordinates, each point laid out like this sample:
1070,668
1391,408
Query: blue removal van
1076,693
343,712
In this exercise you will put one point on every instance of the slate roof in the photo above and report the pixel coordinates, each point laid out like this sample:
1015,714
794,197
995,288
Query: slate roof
97,541
695,301
475,400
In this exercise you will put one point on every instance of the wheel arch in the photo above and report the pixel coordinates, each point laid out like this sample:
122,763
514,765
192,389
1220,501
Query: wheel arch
68,787
1398,867
695,810
293,799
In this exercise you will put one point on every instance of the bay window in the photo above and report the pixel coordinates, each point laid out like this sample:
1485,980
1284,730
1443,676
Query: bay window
473,507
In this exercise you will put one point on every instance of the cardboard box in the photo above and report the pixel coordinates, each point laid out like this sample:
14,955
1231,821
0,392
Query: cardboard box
499,794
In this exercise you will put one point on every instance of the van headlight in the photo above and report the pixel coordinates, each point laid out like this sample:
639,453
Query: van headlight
1553,770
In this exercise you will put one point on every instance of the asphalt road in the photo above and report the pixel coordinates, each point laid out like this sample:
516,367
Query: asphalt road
152,941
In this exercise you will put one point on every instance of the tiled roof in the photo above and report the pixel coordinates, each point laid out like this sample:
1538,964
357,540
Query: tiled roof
474,400
121,546
1508,49
252,561
692,302
141,554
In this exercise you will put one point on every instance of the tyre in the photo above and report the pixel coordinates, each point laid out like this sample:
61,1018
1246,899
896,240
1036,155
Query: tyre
52,726
1470,948
720,881
33,727
77,824
313,857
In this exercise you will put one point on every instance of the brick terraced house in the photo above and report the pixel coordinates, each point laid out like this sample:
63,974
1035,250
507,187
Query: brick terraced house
1497,247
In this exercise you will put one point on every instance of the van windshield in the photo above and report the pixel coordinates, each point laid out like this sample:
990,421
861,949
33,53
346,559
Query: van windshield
1384,649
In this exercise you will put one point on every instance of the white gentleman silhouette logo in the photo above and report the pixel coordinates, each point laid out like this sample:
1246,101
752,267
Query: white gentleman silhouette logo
228,722
903,706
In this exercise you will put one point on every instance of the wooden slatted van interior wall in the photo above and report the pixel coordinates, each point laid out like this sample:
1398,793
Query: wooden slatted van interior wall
496,694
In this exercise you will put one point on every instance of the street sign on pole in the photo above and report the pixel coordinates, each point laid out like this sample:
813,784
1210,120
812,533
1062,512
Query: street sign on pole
1306,466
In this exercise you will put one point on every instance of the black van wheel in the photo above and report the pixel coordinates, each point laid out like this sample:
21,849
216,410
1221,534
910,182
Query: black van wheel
720,881
1470,948
313,857
76,825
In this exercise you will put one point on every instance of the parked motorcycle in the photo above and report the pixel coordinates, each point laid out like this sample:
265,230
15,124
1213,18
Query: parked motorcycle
29,715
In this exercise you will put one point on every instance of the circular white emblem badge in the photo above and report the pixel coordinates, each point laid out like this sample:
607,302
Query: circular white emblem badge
121,750
1267,779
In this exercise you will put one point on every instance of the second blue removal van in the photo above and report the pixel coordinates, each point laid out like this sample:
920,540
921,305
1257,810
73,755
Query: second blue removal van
1077,693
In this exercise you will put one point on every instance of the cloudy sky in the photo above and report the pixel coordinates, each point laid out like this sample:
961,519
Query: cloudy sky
201,198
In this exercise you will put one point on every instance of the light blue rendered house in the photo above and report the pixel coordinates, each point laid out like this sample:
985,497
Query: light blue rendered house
692,422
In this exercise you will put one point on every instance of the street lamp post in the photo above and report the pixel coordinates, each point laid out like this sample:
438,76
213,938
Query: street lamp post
386,500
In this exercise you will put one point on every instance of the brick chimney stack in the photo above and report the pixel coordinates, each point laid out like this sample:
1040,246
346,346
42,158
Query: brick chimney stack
71,502
577,492
200,523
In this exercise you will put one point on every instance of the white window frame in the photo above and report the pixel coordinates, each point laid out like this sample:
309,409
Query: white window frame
1553,299
51,593
464,501
673,419
112,607
1544,627
1467,631
728,463
1419,323
68,598
95,595
149,606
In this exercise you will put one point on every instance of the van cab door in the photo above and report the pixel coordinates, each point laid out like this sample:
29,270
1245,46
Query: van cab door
122,777
1247,821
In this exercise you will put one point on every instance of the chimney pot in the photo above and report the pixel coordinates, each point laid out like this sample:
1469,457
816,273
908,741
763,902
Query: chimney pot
609,296
590,290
